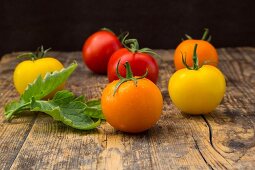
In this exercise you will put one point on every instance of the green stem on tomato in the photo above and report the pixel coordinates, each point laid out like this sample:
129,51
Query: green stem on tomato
194,59
39,53
188,37
133,46
129,73
206,32
205,37
129,76
209,38
107,29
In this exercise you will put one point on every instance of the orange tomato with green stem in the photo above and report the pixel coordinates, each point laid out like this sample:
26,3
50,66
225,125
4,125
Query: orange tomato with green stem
206,52
131,104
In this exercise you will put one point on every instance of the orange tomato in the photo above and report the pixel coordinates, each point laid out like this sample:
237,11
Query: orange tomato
134,107
206,52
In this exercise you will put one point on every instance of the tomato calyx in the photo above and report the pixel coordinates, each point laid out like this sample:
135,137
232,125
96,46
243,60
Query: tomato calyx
39,53
107,29
205,37
133,46
129,76
194,58
120,36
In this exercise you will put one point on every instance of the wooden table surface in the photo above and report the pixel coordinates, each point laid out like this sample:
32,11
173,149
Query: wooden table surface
223,139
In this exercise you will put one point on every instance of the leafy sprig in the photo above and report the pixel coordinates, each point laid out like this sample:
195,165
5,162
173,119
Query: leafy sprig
65,106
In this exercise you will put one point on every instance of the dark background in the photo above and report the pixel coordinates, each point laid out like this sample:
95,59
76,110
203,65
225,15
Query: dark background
64,25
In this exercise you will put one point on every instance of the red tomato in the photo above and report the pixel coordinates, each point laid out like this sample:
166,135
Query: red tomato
138,61
98,49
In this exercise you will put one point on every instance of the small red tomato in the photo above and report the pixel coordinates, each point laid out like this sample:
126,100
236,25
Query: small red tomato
98,49
139,59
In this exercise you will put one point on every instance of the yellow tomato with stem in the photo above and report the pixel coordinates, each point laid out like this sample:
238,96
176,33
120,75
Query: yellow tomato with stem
27,71
197,89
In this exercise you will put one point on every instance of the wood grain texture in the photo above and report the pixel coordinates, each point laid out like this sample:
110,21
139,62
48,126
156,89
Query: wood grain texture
223,139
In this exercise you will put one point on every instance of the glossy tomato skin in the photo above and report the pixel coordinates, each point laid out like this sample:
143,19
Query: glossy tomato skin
139,62
98,49
133,108
206,52
27,71
197,91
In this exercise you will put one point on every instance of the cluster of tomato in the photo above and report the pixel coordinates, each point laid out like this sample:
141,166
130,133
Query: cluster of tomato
132,102
103,49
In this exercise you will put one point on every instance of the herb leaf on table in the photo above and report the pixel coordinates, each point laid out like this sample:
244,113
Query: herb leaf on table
41,87
65,106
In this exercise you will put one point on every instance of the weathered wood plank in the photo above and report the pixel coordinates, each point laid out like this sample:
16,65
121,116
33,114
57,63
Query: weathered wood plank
12,134
223,139
195,139
232,124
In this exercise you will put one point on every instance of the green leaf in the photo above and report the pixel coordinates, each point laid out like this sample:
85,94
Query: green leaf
63,97
41,87
94,109
15,107
81,99
65,108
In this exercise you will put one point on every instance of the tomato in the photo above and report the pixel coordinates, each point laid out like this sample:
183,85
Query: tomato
132,104
98,49
197,90
139,59
27,71
207,54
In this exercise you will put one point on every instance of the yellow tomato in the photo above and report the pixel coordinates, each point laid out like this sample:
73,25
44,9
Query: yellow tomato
27,71
197,91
